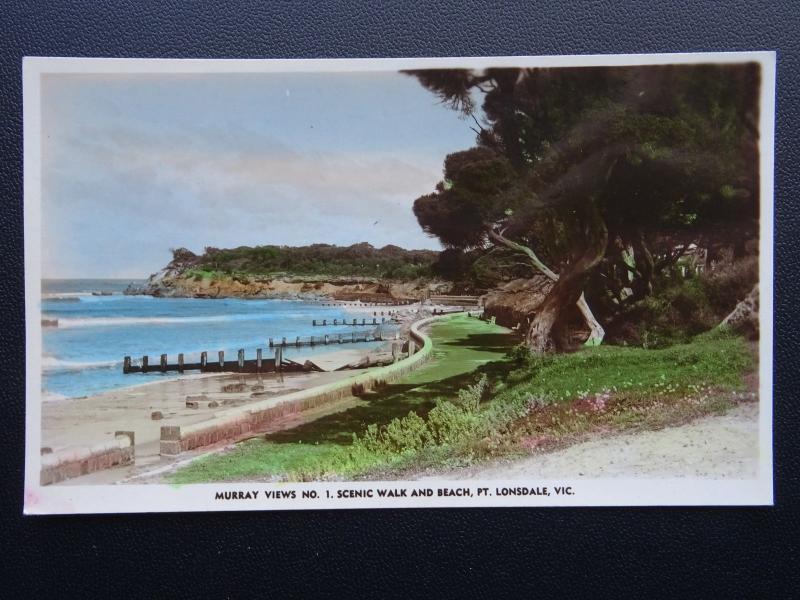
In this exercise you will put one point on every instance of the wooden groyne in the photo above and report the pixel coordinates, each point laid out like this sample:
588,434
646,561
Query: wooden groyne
244,420
352,323
359,303
331,338
219,364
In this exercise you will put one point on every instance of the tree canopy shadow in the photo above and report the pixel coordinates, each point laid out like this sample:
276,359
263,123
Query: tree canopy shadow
383,405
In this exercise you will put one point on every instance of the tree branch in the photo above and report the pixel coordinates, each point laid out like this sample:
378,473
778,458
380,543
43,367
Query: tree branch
500,238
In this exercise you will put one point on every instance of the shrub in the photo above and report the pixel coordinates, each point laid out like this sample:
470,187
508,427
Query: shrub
451,425
447,424
408,434
470,398
729,283
519,354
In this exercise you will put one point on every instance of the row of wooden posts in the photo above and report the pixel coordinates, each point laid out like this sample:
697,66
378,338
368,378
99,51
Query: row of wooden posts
359,303
240,365
331,338
259,365
324,322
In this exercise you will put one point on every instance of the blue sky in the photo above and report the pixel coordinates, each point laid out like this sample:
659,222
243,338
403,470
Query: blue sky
133,165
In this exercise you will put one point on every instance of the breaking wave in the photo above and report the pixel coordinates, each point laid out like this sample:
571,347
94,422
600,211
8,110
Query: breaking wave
50,363
66,323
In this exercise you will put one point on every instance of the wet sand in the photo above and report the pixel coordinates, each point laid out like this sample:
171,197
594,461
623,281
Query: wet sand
90,420
93,419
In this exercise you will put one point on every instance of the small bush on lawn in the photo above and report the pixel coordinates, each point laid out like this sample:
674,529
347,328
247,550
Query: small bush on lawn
448,424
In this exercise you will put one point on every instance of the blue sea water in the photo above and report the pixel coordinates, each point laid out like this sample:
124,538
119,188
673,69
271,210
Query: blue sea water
83,355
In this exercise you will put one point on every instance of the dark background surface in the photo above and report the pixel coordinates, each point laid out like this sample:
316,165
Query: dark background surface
680,552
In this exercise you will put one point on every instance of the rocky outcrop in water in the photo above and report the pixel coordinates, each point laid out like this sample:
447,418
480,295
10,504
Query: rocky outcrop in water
188,275
172,283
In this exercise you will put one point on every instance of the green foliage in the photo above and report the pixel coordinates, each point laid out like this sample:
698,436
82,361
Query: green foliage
674,314
682,308
658,156
717,359
447,424
472,413
358,260
729,283
453,428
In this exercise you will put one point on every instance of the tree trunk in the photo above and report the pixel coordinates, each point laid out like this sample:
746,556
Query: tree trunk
539,338
568,288
596,331
744,317
645,266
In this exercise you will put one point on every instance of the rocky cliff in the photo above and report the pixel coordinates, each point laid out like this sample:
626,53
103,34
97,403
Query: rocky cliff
182,278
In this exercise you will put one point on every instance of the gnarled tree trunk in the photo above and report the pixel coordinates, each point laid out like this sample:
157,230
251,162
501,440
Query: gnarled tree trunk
568,288
642,284
596,331
744,317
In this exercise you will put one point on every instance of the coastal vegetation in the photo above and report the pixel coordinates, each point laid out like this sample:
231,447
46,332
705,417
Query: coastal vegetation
609,216
501,407
358,260
599,180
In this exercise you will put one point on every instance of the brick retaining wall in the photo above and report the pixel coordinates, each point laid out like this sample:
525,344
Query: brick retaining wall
74,462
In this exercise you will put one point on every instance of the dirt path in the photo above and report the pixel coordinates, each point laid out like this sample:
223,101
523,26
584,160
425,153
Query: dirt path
718,447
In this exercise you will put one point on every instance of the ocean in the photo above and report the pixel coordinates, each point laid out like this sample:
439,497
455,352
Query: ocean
83,355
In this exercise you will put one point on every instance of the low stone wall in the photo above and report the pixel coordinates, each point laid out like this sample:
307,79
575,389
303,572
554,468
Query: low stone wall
74,462
177,439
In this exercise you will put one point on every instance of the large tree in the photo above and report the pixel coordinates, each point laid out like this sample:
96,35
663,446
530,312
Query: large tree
581,171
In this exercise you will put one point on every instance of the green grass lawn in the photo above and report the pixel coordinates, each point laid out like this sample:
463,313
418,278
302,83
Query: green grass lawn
461,345
711,359
438,414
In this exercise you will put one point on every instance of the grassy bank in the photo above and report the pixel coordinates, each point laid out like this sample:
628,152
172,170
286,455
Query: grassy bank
472,401
461,345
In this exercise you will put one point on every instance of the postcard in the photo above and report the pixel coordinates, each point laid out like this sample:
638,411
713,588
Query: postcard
374,283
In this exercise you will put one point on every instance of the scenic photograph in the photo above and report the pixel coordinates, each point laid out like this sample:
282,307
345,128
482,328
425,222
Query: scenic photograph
494,273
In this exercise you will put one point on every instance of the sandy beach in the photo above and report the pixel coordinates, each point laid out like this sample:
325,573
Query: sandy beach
89,420
144,408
